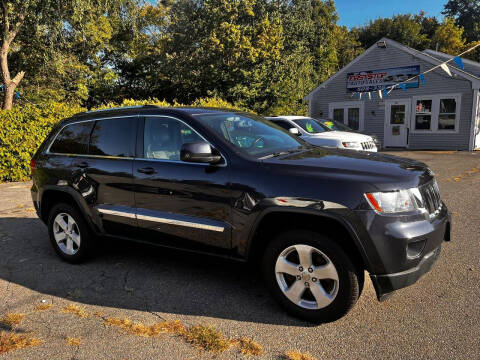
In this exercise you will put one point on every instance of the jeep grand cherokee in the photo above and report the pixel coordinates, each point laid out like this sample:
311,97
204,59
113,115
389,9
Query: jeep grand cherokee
233,184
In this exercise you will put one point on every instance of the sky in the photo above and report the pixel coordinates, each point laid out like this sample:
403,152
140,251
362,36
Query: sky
357,13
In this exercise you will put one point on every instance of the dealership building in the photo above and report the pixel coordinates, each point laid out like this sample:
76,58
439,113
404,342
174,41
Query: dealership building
438,110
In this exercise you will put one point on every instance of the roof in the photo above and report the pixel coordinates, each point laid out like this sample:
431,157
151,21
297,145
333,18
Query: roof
287,117
444,56
416,53
150,108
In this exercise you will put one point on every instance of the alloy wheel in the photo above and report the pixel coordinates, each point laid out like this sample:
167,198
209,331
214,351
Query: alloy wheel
307,277
66,233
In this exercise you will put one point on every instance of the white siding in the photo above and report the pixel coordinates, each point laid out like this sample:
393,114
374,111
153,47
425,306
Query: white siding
437,82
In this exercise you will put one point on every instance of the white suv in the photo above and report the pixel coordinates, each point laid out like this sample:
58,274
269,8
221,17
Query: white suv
316,133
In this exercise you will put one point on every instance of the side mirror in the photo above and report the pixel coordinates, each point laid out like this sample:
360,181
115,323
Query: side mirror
294,131
199,152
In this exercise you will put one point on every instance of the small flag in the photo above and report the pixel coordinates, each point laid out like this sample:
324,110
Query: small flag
459,62
446,69
422,78
380,94
403,86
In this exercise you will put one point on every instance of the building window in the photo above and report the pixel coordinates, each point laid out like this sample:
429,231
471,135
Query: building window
338,115
354,118
447,114
423,115
436,113
350,113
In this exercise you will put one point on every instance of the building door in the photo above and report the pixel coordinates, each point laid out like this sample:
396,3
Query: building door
397,118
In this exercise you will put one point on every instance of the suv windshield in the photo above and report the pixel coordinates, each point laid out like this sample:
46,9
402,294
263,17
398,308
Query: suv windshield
334,125
251,134
311,126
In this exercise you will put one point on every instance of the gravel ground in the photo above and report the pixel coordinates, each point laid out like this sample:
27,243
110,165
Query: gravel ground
436,318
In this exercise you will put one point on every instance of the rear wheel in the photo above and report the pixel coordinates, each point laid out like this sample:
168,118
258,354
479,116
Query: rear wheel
69,234
311,276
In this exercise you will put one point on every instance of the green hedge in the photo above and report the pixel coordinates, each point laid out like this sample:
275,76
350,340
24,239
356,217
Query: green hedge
24,128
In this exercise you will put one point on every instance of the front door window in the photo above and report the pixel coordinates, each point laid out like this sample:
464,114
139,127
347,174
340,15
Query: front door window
396,120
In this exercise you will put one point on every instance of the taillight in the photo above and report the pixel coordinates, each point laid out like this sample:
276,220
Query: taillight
33,165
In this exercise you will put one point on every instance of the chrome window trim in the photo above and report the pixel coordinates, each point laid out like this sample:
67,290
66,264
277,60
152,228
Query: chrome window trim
177,161
95,156
130,157
83,121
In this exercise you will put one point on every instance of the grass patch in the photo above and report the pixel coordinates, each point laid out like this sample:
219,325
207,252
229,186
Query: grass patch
76,310
204,337
12,319
71,341
249,347
11,341
297,355
43,307
207,338
137,328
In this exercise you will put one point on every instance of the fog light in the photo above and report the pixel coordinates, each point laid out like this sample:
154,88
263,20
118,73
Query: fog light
415,248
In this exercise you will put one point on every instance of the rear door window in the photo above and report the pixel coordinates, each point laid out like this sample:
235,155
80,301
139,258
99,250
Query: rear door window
73,139
113,137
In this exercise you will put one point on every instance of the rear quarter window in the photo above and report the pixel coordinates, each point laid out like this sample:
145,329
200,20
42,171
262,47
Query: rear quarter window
73,139
113,137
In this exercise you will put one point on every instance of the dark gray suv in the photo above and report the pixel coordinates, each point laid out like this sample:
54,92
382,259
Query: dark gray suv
233,184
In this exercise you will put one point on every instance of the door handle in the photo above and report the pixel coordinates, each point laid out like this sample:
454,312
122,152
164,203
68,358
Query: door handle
81,164
147,170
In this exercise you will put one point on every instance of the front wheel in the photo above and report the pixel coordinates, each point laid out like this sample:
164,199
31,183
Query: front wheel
311,276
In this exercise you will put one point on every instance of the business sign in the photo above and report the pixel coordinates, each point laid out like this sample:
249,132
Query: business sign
372,80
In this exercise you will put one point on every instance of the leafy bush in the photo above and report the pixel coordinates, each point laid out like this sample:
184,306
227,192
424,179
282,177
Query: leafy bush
24,128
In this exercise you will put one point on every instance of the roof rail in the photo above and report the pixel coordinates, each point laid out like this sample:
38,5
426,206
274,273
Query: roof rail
118,108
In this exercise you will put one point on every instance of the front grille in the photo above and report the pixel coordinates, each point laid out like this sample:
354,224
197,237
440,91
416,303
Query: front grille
431,197
368,145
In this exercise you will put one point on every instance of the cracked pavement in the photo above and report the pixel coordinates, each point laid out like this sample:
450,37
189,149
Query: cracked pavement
438,317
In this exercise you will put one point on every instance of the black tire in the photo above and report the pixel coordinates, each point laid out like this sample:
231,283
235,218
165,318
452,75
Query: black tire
86,235
349,280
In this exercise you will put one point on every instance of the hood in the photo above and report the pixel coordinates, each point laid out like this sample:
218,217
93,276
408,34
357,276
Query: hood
343,136
380,171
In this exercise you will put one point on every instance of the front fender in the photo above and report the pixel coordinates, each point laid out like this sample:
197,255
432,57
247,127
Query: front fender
337,212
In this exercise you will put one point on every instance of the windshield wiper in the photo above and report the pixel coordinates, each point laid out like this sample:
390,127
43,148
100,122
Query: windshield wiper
284,152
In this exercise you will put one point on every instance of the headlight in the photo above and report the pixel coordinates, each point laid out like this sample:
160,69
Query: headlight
395,201
352,145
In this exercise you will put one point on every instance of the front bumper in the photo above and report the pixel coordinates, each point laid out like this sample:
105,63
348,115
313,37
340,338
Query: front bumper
408,250
386,284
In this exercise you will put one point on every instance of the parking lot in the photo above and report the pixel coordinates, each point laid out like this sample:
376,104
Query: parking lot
437,318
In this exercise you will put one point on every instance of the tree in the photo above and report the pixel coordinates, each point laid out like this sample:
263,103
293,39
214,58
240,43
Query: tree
411,30
467,15
448,37
13,17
